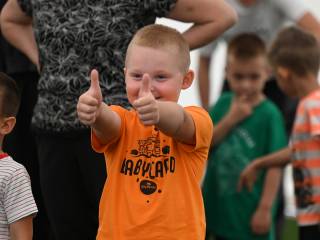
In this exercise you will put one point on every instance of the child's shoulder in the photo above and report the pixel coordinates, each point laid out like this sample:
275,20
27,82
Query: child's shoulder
309,104
226,96
269,106
311,100
9,167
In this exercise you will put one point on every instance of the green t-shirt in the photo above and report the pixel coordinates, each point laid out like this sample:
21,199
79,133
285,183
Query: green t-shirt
229,212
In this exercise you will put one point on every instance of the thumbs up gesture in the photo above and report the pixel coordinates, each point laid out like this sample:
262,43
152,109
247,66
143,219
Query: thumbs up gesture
89,103
146,105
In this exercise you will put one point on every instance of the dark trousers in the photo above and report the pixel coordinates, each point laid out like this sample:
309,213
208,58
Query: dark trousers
72,177
21,145
309,232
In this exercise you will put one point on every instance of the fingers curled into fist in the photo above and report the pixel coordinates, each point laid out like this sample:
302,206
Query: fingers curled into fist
146,105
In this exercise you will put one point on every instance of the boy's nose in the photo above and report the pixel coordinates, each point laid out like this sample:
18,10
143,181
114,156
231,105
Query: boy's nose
246,84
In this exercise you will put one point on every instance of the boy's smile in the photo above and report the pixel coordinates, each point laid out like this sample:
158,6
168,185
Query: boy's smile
162,67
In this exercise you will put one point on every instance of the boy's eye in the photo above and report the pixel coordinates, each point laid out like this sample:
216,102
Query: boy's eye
254,76
238,76
161,77
136,75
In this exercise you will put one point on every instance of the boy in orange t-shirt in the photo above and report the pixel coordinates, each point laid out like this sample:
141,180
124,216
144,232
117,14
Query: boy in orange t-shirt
156,152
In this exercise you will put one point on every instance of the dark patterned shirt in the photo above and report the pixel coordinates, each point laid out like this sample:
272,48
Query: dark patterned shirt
75,36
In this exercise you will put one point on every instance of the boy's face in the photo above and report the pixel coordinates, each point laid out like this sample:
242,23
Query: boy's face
162,66
247,77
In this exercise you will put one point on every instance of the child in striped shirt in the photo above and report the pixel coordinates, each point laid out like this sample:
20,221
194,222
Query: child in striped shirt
295,57
17,205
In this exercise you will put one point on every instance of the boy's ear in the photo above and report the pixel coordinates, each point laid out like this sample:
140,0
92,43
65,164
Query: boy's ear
283,72
187,79
6,125
124,71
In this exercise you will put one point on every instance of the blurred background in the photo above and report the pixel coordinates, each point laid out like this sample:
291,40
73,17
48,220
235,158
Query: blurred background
191,95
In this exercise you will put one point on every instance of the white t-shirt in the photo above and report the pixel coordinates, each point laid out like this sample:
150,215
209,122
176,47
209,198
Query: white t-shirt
16,199
264,18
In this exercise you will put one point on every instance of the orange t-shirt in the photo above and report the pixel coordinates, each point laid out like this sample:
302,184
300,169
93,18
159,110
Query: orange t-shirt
153,185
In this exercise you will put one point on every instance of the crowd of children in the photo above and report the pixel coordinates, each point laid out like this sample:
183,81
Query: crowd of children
156,153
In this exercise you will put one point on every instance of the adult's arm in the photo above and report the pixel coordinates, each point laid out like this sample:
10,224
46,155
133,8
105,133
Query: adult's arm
16,27
204,80
210,17
299,12
311,24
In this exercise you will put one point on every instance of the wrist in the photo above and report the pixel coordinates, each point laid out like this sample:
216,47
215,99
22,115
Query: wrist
264,207
99,115
230,120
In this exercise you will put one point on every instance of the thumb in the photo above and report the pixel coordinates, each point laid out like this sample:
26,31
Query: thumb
145,85
94,84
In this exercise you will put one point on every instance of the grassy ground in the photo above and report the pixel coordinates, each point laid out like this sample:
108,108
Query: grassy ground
290,230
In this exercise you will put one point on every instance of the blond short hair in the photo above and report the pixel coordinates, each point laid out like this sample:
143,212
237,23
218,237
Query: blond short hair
162,37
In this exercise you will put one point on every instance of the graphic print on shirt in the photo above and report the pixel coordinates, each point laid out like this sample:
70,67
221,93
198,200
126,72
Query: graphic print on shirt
149,162
303,187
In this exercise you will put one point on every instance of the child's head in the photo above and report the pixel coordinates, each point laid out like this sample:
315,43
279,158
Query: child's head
247,68
9,104
162,54
294,55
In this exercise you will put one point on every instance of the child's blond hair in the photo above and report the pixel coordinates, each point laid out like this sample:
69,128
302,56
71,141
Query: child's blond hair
163,37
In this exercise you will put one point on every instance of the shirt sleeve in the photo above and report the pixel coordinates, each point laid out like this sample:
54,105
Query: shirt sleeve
26,6
18,199
293,9
160,8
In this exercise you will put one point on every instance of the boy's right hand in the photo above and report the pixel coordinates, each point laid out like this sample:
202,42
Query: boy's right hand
89,103
240,109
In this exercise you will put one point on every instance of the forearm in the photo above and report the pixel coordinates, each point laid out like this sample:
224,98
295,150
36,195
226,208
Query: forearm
107,125
277,159
311,24
222,129
174,121
201,34
271,187
210,18
204,82
19,33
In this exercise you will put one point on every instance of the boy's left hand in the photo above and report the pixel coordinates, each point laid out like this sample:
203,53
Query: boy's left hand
261,221
248,177
146,105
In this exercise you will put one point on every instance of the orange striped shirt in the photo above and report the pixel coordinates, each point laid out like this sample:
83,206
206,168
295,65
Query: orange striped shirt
305,142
